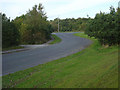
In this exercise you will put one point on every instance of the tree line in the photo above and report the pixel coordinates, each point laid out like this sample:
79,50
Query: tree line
69,24
105,27
31,28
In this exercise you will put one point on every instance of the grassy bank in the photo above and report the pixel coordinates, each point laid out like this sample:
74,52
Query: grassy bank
56,39
94,67
11,48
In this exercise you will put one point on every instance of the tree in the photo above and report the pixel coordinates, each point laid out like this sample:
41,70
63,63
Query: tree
10,34
105,27
33,26
70,24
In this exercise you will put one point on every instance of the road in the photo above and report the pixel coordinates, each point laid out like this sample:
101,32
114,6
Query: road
17,61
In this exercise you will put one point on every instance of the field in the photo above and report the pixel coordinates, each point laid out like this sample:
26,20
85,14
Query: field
94,67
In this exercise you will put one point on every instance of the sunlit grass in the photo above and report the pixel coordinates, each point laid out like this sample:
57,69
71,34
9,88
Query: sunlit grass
56,39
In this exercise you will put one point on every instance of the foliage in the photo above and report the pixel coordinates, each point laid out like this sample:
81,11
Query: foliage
105,27
33,26
10,34
69,24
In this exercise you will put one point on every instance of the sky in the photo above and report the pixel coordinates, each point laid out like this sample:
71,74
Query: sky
58,8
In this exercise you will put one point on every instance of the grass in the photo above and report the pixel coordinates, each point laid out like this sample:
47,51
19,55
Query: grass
11,48
94,67
56,39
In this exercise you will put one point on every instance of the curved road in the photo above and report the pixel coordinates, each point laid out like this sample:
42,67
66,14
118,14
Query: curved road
16,61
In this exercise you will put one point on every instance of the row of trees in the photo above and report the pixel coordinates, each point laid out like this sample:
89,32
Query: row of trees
69,24
105,27
31,28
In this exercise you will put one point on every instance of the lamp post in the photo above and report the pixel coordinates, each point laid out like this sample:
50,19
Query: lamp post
58,24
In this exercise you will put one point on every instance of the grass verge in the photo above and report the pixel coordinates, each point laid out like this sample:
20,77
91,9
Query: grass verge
11,48
94,67
56,39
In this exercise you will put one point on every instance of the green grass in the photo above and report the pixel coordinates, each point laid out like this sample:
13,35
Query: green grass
56,39
94,67
11,48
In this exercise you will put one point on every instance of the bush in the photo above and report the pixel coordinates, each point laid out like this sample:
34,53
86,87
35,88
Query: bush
105,27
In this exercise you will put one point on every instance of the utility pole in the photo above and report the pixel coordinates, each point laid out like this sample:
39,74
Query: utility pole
58,24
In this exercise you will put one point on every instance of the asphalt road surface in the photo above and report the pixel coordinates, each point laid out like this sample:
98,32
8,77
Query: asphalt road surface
17,61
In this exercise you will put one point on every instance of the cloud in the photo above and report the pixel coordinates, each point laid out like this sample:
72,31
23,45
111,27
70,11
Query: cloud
53,8
76,5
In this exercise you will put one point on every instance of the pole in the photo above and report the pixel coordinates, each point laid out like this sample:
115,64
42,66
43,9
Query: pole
58,24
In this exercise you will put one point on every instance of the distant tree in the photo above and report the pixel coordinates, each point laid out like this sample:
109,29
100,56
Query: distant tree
54,24
70,24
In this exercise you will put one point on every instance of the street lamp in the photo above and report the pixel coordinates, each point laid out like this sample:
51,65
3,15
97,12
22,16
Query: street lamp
58,24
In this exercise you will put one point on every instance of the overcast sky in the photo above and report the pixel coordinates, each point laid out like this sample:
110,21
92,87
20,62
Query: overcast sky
54,8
